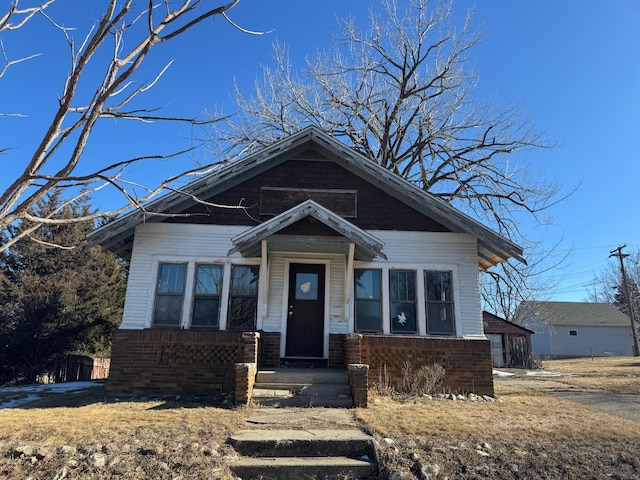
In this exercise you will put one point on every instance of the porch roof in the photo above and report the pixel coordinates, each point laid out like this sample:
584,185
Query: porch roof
367,246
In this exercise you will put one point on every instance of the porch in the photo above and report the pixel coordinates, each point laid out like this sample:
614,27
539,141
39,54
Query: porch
185,362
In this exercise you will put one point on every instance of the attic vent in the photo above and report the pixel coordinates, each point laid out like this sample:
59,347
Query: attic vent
277,200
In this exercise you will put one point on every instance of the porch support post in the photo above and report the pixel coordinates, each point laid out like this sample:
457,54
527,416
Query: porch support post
349,273
264,277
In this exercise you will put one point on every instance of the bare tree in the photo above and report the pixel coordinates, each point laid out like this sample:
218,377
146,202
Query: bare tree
401,93
607,285
131,31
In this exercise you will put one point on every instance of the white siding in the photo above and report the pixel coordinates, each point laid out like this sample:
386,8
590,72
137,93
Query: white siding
198,243
273,321
591,341
167,242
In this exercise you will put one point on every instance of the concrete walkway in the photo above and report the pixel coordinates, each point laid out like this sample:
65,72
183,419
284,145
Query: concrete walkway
294,443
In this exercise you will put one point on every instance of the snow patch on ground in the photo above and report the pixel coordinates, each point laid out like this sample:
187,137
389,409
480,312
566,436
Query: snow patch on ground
499,373
28,393
539,373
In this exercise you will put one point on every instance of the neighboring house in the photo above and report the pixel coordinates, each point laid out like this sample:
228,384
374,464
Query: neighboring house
571,329
331,259
510,343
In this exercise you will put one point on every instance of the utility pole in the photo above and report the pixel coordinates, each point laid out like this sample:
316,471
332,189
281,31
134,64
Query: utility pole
618,253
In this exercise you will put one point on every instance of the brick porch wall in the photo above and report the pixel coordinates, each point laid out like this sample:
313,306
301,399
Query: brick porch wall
336,350
269,356
467,362
177,362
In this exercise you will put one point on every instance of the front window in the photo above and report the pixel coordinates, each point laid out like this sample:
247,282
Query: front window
206,296
439,303
402,285
243,298
169,294
368,300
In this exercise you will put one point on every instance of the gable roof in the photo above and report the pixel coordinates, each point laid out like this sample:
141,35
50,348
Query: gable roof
577,313
367,246
493,248
496,324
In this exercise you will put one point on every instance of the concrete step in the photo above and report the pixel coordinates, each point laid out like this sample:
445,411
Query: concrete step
303,443
303,387
321,389
292,400
296,454
296,468
303,376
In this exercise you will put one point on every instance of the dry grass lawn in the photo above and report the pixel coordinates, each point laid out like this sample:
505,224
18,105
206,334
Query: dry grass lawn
528,434
616,374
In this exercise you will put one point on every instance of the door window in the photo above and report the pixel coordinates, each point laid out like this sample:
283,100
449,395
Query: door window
306,286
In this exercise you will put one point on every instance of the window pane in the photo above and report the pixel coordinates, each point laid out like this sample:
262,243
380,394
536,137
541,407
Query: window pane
440,317
368,316
171,278
168,310
403,285
243,300
403,317
368,284
205,311
245,280
306,286
208,280
169,294
242,312
439,303
438,286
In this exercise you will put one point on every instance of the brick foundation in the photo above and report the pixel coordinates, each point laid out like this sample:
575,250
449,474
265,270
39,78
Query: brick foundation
467,362
178,362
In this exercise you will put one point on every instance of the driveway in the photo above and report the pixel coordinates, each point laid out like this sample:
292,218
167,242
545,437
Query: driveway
620,405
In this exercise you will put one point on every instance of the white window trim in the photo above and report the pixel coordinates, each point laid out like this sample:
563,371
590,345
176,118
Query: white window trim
187,305
421,305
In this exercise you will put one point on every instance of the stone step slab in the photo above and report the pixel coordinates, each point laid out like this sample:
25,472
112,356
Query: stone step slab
284,401
296,468
321,389
303,443
303,376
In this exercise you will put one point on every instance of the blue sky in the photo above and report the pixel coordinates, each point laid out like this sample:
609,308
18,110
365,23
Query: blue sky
574,65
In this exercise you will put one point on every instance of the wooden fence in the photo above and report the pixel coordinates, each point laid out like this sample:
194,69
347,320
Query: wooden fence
74,368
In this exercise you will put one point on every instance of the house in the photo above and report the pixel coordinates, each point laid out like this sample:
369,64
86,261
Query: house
574,329
510,343
321,255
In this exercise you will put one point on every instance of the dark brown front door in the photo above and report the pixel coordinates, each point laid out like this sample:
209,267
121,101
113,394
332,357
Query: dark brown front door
305,313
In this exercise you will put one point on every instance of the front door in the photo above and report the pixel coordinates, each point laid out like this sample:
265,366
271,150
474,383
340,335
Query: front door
305,312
